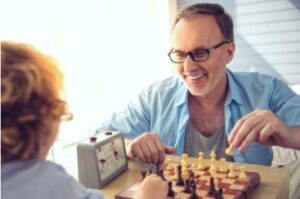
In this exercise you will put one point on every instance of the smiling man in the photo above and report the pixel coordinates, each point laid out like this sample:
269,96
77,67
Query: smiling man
207,105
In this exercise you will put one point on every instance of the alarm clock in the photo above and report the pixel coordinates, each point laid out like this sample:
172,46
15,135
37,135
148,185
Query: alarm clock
101,159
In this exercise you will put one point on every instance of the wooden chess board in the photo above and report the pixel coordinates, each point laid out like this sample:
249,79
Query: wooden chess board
233,188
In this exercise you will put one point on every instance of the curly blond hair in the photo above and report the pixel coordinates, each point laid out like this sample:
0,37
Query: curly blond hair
31,103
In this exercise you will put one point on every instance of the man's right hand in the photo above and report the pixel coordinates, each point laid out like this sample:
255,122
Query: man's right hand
148,148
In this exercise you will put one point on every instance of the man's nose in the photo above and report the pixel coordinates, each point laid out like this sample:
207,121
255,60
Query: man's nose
189,63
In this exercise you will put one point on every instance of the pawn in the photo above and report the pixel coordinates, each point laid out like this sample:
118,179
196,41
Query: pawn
194,194
179,180
229,151
169,165
213,155
187,188
184,157
213,165
231,173
194,168
185,172
171,193
212,188
201,161
223,167
243,175
220,193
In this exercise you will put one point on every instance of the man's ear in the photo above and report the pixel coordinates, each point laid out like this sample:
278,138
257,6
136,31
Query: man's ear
230,51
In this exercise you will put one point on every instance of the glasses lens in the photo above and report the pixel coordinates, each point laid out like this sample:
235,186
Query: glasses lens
200,55
177,57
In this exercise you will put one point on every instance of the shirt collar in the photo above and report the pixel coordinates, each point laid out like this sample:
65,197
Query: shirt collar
181,95
233,90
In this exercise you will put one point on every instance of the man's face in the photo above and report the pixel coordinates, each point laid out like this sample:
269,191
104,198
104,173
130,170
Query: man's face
207,78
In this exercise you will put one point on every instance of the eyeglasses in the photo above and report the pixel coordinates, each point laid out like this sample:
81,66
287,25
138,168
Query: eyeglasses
197,55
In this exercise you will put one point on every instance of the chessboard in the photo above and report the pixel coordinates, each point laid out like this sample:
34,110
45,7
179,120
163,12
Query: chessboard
202,183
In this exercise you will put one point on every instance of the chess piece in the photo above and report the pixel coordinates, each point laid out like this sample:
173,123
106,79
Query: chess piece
201,161
212,188
187,188
169,165
220,193
184,157
231,173
179,180
184,172
243,175
229,150
191,174
213,155
213,165
171,193
194,168
194,194
223,166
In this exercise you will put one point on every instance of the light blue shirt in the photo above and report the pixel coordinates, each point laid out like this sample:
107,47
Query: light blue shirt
163,108
41,179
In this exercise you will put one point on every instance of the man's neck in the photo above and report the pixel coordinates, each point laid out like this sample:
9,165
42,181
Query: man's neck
217,99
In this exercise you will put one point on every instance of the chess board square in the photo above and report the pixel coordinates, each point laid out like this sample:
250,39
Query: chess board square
228,180
237,186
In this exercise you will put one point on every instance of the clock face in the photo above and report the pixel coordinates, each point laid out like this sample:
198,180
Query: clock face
111,157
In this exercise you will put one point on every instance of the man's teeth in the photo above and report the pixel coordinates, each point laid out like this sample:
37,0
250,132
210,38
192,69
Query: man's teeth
193,77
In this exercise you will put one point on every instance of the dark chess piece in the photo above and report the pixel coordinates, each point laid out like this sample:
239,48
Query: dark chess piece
143,172
194,194
171,193
212,189
192,181
150,171
191,174
220,193
187,188
179,181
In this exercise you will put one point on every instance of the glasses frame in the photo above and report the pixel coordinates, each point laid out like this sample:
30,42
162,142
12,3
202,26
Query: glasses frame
191,53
